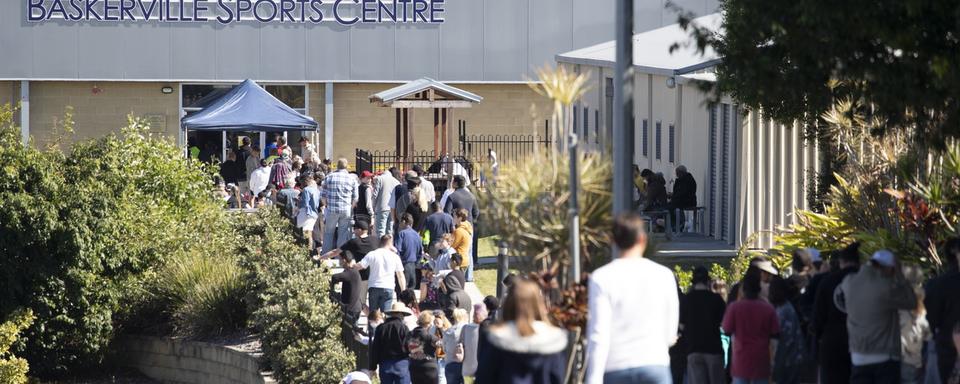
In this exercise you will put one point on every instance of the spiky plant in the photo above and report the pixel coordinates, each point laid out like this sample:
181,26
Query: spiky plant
563,88
529,210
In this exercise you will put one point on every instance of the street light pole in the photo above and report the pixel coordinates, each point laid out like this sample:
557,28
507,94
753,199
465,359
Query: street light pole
623,147
574,209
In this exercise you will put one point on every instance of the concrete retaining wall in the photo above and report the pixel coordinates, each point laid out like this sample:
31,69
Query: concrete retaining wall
188,362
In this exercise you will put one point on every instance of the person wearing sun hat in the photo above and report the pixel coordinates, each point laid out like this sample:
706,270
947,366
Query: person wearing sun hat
388,351
356,377
873,298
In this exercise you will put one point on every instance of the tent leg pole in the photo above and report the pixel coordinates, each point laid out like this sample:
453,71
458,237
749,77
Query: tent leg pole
223,150
263,143
186,143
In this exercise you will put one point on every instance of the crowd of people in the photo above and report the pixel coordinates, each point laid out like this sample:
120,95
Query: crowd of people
827,319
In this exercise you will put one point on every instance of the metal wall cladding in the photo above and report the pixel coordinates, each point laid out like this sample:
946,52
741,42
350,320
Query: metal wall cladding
481,40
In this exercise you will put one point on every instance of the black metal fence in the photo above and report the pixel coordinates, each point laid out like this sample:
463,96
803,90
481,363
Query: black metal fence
508,148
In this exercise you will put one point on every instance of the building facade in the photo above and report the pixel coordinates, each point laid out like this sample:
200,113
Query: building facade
751,172
107,70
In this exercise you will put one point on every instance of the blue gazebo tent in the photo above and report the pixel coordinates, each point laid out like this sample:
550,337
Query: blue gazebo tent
247,107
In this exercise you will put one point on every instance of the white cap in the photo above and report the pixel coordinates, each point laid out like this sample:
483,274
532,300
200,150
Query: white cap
356,376
884,258
814,255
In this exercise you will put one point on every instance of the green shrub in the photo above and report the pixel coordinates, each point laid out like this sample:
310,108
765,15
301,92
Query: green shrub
300,327
13,370
204,293
84,227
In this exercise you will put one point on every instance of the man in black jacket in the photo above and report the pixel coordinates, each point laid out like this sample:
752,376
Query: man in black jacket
943,307
830,322
462,198
388,350
684,196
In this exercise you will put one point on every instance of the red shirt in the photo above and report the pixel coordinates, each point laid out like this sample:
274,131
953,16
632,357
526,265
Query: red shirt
752,323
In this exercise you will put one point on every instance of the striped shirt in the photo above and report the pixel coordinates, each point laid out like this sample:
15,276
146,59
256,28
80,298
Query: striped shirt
340,191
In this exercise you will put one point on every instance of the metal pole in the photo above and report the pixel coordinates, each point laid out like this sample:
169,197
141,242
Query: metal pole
503,266
623,108
574,209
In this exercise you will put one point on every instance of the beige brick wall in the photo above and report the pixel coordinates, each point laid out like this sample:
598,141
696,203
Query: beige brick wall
96,114
506,109
9,92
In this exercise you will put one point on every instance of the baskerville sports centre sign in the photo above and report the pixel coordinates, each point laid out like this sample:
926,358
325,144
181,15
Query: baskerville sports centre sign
343,12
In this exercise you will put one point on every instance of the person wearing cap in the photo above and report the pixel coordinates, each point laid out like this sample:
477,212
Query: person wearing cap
363,210
356,378
701,313
873,298
350,288
383,186
388,351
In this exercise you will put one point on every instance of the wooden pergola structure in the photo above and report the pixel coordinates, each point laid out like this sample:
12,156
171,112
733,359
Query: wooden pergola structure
424,93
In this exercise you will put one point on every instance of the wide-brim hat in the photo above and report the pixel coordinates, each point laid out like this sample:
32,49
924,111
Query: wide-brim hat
767,267
399,309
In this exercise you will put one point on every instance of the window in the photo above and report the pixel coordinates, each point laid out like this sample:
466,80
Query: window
596,126
608,108
670,143
576,122
586,121
195,97
724,169
657,140
645,138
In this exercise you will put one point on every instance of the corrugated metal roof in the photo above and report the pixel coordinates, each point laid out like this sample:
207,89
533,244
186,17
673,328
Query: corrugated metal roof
651,50
421,85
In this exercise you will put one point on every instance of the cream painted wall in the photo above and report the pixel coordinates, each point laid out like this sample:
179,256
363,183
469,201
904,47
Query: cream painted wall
99,108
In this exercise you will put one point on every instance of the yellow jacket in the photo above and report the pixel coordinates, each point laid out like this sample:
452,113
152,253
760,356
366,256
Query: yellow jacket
462,240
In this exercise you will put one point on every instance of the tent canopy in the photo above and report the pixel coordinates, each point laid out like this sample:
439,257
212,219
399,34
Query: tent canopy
248,107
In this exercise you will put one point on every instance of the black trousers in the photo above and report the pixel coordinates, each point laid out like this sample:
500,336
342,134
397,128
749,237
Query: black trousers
835,362
881,373
946,358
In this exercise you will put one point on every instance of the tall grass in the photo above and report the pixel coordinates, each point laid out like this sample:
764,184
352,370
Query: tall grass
205,294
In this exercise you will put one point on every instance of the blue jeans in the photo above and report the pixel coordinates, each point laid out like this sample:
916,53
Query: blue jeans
441,371
453,373
395,372
335,224
380,298
651,374
384,223
737,380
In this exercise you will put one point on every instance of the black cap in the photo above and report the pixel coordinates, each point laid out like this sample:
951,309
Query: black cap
361,224
701,275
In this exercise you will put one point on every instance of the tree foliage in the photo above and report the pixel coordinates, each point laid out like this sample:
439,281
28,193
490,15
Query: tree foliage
13,370
81,228
794,59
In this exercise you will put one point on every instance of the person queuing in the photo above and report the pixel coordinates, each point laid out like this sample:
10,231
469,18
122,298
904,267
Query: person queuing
309,208
454,297
363,210
410,246
621,346
830,322
454,348
754,326
873,298
383,187
791,346
943,308
339,197
388,350
463,240
437,224
524,347
470,336
428,188
684,196
701,314
655,194
422,347
350,288
462,199
386,272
